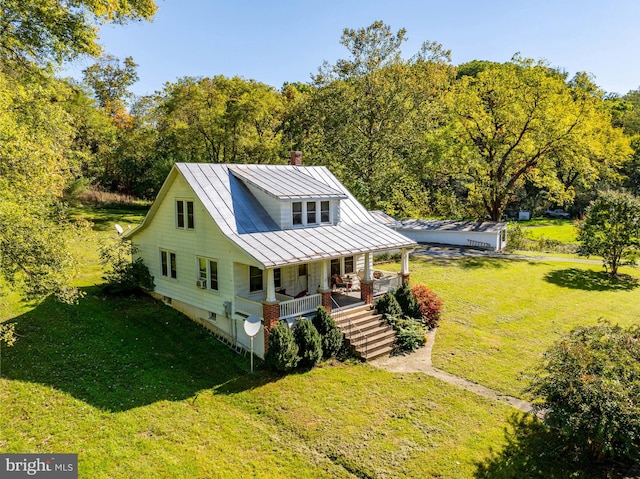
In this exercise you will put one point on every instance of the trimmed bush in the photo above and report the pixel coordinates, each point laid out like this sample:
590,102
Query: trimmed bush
429,304
309,343
282,354
408,302
388,305
331,336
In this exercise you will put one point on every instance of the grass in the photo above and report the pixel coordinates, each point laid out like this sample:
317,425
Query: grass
563,231
138,390
502,314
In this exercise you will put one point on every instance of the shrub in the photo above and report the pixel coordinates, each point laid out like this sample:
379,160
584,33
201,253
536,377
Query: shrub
309,343
407,302
388,305
282,354
331,336
410,334
589,385
429,304
124,276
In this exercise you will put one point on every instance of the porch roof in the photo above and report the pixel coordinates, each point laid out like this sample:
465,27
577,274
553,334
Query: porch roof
245,222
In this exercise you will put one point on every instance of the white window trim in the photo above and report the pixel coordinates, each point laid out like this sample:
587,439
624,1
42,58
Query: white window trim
319,222
262,273
168,253
185,202
208,272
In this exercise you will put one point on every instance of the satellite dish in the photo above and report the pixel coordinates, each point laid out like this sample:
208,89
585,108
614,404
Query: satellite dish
119,229
252,325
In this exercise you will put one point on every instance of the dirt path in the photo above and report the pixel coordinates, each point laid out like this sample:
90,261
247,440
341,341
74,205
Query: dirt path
420,362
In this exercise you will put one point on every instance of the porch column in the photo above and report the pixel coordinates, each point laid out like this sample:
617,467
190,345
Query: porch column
366,285
270,318
324,285
271,287
404,267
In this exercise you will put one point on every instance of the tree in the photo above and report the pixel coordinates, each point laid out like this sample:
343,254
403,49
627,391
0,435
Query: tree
370,113
309,343
589,387
282,352
331,336
519,122
611,229
110,82
46,32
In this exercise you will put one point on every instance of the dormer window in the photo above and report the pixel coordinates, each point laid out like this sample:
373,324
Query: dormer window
307,213
297,212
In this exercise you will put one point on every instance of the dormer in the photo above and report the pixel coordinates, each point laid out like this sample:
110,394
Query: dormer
291,197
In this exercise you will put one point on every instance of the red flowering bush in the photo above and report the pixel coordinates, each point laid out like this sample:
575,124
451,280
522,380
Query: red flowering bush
429,303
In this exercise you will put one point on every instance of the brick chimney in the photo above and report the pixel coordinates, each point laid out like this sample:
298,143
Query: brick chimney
296,158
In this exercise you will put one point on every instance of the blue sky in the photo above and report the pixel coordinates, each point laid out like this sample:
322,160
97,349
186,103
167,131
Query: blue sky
277,41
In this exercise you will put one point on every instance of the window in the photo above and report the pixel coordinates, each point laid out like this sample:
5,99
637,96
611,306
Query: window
348,265
335,266
168,264
325,217
184,209
255,279
277,278
297,212
208,272
311,213
302,269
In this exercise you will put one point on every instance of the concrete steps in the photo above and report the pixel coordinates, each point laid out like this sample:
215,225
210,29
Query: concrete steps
365,330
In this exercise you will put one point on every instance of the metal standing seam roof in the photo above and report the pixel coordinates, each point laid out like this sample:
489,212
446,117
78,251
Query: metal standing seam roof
285,183
245,222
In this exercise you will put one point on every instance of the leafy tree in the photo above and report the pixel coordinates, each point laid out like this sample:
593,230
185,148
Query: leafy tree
110,82
370,113
332,338
611,229
589,387
309,343
282,353
45,32
519,122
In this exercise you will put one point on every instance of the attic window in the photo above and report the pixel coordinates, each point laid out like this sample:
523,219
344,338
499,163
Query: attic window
184,214
296,209
310,213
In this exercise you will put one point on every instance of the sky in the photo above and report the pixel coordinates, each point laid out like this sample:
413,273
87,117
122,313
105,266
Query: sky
280,41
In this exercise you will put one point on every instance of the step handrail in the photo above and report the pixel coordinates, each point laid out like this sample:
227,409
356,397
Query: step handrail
339,316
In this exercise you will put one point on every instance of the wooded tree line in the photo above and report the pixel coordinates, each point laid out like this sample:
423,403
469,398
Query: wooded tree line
413,137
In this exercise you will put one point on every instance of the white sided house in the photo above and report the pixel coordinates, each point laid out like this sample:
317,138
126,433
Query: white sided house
224,242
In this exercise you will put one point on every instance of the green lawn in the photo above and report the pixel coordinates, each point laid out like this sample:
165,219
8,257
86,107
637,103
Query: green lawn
563,231
138,390
502,314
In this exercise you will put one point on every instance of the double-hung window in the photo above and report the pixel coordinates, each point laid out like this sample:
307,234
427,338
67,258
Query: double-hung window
310,213
168,264
255,279
208,272
184,214
325,216
296,210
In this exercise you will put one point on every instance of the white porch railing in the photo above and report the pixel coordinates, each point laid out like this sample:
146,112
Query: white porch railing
299,306
289,307
389,283
248,306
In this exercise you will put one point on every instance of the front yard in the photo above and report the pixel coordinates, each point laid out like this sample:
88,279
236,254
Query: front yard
138,390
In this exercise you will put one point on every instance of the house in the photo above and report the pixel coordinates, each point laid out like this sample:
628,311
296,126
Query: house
225,242
485,234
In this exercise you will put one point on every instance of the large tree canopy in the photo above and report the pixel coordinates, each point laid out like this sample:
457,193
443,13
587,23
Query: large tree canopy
521,121
370,113
53,31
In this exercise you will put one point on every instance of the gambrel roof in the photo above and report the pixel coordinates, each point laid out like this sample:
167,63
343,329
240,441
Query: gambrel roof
223,191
